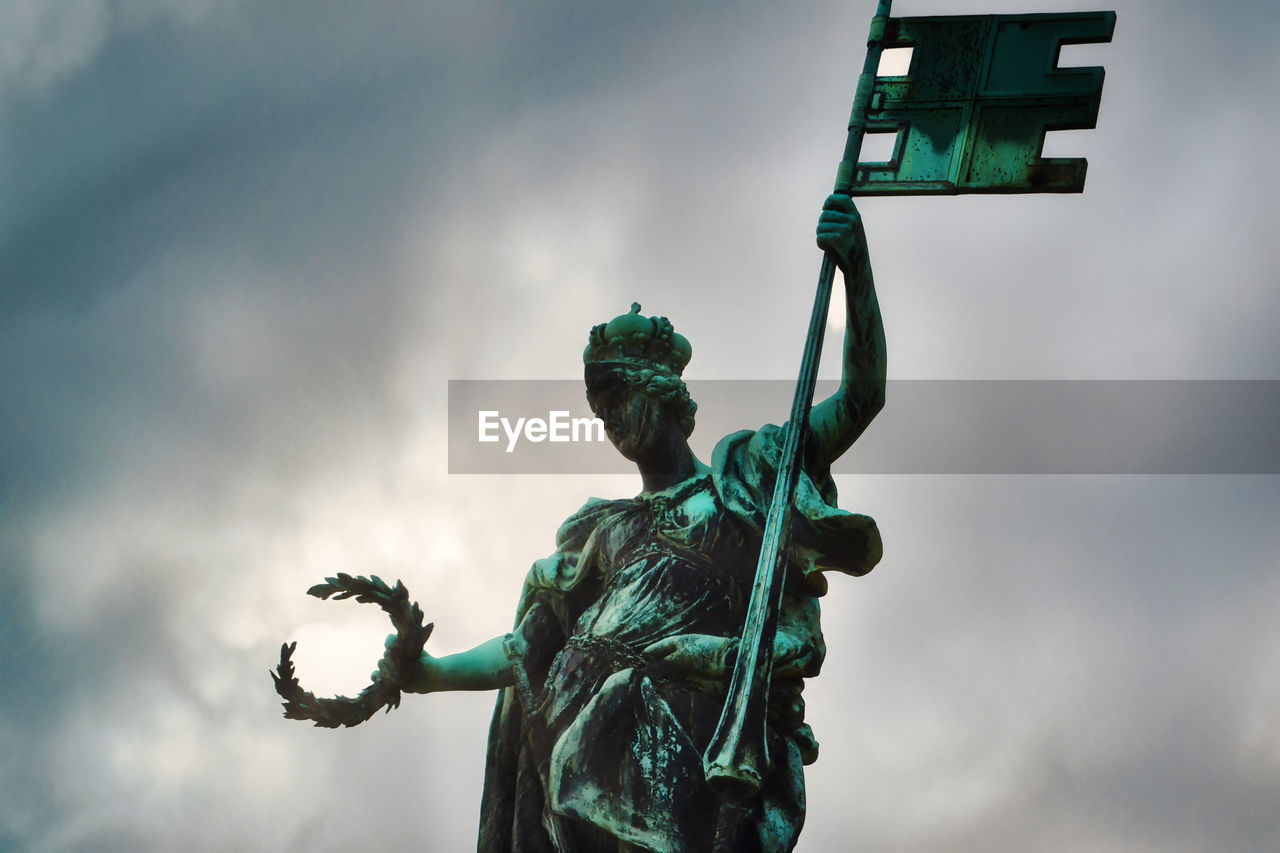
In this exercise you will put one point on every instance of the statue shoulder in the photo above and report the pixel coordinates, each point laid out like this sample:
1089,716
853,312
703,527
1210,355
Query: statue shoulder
577,528
564,570
823,536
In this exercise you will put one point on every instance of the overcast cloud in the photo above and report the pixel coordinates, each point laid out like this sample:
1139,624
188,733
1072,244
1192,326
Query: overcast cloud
244,246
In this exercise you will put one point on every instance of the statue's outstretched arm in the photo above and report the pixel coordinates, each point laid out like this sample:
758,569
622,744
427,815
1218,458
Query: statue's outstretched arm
836,422
485,667
404,667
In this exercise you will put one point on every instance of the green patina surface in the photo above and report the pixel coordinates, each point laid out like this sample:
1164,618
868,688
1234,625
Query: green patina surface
971,113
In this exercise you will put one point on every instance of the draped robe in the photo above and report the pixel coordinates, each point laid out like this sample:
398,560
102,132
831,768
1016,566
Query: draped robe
612,744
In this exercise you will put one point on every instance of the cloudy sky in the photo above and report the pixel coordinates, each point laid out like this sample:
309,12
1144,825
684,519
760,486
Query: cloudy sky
244,245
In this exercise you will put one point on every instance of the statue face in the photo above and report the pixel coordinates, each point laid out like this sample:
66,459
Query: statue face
635,423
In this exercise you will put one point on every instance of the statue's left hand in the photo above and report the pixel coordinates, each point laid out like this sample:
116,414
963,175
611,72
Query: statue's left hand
709,656
840,232
703,655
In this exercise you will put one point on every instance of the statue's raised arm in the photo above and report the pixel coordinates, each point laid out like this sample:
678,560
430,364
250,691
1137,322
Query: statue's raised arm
836,422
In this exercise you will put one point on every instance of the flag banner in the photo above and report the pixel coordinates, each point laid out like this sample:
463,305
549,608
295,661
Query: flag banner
971,113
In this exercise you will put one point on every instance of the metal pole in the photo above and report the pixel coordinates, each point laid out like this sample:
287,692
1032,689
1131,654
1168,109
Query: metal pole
737,758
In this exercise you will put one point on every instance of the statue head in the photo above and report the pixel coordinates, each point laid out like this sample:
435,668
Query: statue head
632,368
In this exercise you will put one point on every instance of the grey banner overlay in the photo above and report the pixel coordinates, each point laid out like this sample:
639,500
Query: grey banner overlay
927,426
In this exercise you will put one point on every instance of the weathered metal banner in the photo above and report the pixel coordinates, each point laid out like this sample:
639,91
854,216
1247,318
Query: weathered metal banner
971,112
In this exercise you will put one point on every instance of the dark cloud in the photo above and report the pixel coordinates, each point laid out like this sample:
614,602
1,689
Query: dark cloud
1080,680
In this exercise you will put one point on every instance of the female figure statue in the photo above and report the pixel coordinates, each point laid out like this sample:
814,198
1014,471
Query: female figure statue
614,676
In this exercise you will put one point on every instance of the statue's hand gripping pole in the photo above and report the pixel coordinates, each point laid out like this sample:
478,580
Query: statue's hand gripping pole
738,757
403,654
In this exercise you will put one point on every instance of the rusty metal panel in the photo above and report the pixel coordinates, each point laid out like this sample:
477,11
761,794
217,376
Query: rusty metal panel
971,113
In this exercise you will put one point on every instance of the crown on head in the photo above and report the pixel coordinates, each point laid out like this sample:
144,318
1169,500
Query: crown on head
635,341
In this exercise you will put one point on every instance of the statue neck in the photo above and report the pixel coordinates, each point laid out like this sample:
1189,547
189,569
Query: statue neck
671,463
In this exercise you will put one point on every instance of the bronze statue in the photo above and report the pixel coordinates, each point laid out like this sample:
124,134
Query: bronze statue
651,687
616,673
614,676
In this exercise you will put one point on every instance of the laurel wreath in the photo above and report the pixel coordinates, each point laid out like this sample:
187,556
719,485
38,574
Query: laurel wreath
404,653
